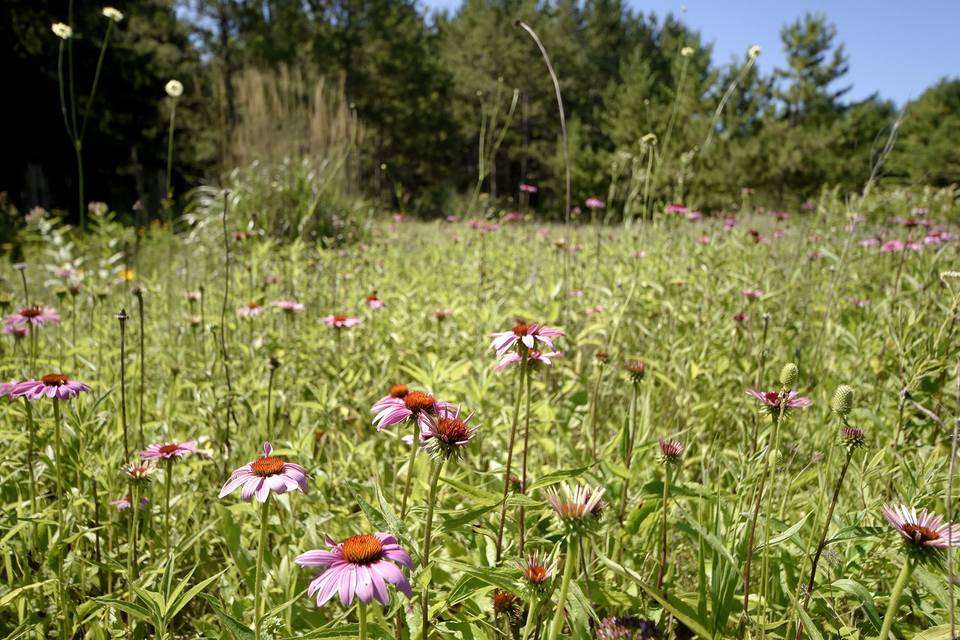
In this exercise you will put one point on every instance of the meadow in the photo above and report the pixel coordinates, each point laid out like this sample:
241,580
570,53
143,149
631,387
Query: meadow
599,468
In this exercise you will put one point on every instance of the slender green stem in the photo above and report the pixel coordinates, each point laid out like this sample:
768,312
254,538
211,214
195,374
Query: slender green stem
663,526
96,79
628,450
61,524
532,610
362,616
425,552
414,447
513,436
31,427
173,114
523,457
258,579
132,535
898,588
166,506
570,566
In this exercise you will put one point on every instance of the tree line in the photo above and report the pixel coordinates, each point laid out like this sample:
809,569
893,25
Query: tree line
642,96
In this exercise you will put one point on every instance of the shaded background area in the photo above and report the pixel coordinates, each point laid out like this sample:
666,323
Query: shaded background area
398,99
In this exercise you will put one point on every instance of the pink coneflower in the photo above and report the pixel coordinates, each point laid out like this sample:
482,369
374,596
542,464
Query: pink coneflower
912,222
741,317
892,246
396,392
526,334
705,240
593,202
169,450
250,310
52,385
755,235
512,216
913,246
693,216
870,242
138,472
773,399
808,205
288,306
6,388
266,474
17,331
399,217
193,296
637,370
729,223
414,405
373,302
533,357
528,188
923,529
675,207
779,215
273,278
537,571
447,434
359,566
752,294
920,211
341,322
124,503
573,504
638,254
442,314
33,316
671,451
592,311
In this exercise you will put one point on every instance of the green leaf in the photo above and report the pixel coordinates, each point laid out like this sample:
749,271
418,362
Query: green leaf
808,626
236,628
862,594
138,611
181,602
555,477
787,533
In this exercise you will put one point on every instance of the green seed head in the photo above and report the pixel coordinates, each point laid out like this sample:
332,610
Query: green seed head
842,401
789,375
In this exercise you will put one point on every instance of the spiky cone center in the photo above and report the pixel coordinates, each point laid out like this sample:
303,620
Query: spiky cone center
852,436
31,312
168,449
398,391
505,603
636,368
252,305
521,329
54,380
919,534
267,466
671,451
362,549
451,431
138,473
536,573
419,402
339,318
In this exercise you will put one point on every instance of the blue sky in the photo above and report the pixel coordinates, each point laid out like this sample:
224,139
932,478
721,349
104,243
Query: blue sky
897,48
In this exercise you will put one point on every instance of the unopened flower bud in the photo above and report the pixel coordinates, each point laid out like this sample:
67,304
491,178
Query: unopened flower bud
789,375
842,401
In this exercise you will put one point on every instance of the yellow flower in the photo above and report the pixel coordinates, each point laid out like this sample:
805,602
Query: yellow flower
62,31
128,274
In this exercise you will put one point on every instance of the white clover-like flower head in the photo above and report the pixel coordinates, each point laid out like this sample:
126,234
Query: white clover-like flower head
62,31
686,52
112,13
174,88
754,51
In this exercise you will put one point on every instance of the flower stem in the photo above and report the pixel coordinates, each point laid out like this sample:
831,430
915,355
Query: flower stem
532,610
513,436
173,114
628,452
523,458
30,451
362,615
258,579
166,506
61,524
573,548
663,526
425,551
132,536
414,446
898,588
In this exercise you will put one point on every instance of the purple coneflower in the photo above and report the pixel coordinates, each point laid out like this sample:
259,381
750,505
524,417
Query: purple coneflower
892,246
675,207
594,202
17,331
169,450
442,314
250,310
752,294
360,566
526,334
124,503
266,474
779,215
341,322
923,529
729,223
289,306
575,504
52,385
512,216
772,400
537,571
671,451
413,405
741,317
532,356
693,216
447,434
373,302
870,242
528,188
32,316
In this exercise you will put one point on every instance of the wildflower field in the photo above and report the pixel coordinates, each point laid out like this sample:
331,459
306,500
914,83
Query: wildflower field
696,426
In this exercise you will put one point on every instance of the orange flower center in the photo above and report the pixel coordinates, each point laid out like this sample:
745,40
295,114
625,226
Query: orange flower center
138,473
269,466
31,312
920,534
419,402
452,430
504,601
536,573
362,549
54,380
521,329
167,449
398,391
253,305
340,318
